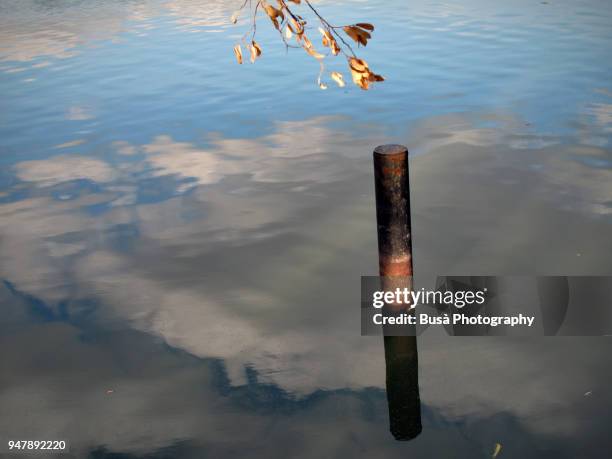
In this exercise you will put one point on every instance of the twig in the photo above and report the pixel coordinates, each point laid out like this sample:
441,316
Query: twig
332,28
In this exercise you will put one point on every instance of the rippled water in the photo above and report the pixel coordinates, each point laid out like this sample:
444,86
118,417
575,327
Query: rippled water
181,238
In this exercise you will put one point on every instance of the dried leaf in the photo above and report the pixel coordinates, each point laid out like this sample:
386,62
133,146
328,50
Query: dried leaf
365,25
496,451
313,53
274,14
362,76
358,79
338,78
288,32
307,45
297,2
358,65
359,35
329,41
350,31
238,53
335,48
325,34
298,27
255,51
319,82
271,11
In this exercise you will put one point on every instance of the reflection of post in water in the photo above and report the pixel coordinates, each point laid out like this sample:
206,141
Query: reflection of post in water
395,267
401,361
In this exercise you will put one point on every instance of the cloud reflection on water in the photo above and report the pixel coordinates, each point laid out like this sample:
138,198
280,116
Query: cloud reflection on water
34,30
244,250
231,251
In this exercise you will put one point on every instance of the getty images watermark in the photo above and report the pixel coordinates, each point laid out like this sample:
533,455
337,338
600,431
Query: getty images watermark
487,305
407,299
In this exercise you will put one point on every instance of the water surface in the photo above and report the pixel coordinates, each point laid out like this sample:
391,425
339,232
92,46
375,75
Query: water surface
181,238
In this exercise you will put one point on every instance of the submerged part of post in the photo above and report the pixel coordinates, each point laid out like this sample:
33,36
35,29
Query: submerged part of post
395,268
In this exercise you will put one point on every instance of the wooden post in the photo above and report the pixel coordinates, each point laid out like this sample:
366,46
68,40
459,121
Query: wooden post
393,210
395,267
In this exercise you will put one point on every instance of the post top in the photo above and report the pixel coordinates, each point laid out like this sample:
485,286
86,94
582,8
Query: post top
390,150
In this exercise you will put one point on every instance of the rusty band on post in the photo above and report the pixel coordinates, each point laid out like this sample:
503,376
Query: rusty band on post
395,267
393,210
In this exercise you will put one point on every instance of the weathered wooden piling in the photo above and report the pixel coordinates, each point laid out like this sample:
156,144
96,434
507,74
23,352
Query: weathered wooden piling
395,267
393,210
